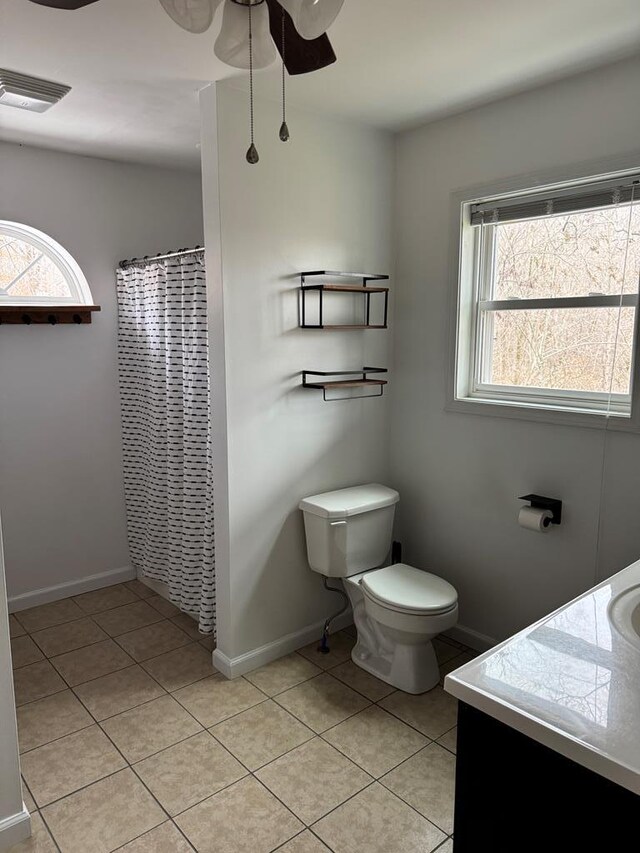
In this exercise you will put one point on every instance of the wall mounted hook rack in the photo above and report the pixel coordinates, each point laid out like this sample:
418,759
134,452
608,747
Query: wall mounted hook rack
52,315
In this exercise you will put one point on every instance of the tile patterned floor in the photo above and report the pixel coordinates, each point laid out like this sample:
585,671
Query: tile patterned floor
131,741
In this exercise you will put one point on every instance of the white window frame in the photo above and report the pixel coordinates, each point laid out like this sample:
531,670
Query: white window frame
79,290
467,392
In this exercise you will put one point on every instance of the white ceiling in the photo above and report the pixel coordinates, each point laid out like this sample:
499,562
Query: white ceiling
135,74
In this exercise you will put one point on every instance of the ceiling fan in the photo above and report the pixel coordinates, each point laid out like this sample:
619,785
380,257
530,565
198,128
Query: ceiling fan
250,32
306,45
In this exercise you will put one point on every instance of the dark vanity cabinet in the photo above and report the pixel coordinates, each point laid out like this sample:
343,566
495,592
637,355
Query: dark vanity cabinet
514,795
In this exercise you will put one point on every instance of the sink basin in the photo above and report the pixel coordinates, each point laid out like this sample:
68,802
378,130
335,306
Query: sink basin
624,615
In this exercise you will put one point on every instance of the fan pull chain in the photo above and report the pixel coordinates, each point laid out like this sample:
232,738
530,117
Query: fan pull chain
252,152
284,129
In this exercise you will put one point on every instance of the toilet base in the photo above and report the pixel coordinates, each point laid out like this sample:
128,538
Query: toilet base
411,668
396,649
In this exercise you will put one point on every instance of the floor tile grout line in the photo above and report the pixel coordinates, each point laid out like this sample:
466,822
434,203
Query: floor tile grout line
307,825
271,760
70,651
72,598
138,760
144,660
282,803
82,788
124,711
431,741
197,802
319,734
402,799
407,723
50,831
146,832
334,808
134,764
368,772
289,840
315,835
55,739
230,717
284,690
129,630
46,696
393,794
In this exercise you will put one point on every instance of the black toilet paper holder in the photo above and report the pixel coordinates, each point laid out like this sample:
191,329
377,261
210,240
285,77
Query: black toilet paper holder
540,502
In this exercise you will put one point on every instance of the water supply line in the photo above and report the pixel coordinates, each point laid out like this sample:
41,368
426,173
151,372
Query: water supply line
324,642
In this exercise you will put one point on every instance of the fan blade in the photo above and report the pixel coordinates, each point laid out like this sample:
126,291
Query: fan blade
195,16
64,4
301,56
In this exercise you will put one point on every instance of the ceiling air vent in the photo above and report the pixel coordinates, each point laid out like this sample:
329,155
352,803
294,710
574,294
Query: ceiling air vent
29,93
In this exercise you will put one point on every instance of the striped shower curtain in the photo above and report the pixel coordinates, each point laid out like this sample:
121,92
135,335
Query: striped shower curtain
164,391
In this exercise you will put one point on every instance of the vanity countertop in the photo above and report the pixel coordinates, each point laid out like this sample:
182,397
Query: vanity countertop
570,681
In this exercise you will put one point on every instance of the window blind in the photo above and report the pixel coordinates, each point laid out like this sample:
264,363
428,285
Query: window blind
550,201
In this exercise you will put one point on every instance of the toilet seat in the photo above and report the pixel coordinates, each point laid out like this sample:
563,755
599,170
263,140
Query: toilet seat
405,589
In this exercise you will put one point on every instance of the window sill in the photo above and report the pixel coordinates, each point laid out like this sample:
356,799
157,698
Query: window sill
546,414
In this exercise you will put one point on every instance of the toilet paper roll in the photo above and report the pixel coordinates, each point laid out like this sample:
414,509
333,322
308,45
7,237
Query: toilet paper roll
534,519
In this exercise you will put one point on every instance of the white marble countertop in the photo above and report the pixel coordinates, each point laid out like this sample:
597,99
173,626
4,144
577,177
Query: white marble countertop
570,681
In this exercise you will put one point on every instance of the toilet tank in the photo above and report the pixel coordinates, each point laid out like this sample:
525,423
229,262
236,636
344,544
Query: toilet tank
349,530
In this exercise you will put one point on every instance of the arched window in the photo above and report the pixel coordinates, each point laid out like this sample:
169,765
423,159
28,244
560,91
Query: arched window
35,270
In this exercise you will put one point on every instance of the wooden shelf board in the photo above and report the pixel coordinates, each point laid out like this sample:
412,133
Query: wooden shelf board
346,288
331,273
347,383
360,326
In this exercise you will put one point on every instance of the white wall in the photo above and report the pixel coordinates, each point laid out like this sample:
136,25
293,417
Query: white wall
15,824
61,488
322,201
459,475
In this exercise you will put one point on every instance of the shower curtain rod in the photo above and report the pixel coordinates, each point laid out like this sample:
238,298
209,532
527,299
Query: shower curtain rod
163,257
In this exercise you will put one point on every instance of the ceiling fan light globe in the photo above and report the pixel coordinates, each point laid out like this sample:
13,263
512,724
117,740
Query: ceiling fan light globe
195,16
312,18
232,44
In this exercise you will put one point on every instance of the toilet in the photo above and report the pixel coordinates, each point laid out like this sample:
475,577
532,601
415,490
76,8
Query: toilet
397,609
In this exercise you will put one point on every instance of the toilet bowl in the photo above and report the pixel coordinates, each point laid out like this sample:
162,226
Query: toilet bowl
397,609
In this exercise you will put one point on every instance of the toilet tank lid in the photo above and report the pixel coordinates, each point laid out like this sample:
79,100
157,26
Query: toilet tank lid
352,501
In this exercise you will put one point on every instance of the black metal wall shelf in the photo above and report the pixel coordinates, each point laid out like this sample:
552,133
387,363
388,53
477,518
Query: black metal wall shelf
362,382
322,287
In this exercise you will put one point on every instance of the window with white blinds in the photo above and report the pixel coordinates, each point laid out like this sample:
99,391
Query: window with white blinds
549,296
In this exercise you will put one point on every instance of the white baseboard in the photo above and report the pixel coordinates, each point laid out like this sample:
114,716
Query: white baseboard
234,667
69,588
15,829
473,639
